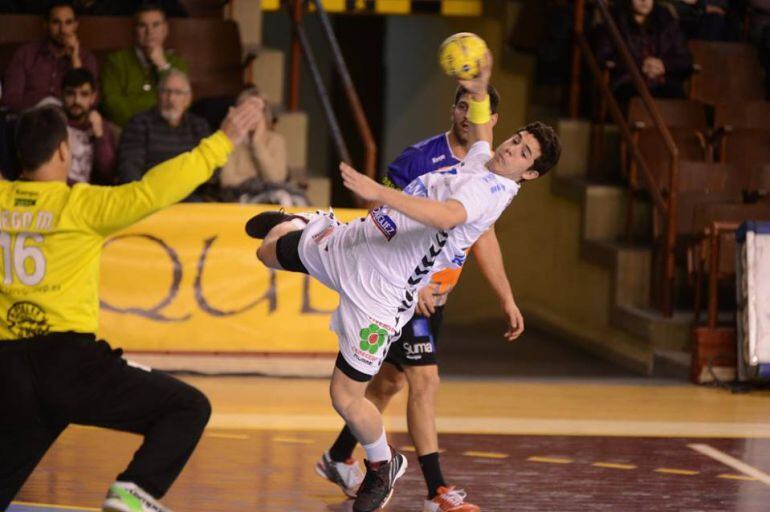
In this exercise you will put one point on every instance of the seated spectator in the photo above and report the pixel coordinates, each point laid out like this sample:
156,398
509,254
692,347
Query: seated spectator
257,170
36,69
162,132
130,77
656,44
91,140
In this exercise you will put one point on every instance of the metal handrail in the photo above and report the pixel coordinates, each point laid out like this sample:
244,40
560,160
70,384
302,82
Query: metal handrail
323,94
370,159
625,129
300,45
667,209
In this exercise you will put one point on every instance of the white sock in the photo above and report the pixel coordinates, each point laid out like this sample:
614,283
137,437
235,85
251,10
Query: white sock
378,451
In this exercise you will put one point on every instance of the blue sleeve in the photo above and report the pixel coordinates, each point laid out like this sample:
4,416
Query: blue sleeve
407,166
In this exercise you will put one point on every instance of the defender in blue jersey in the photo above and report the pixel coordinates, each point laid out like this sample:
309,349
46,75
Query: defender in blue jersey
412,358
440,151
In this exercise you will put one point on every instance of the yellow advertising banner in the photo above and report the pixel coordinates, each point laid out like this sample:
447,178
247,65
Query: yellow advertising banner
187,280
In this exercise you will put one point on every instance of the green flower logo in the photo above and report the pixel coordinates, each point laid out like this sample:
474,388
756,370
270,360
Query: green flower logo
372,338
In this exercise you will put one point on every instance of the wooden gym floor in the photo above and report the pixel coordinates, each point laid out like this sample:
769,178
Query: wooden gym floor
534,426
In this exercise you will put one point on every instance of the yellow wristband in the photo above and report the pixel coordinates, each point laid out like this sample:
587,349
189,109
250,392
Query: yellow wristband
479,111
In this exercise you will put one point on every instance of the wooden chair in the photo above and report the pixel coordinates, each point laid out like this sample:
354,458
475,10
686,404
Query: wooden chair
205,8
725,71
742,114
747,149
715,248
760,183
213,51
687,123
211,47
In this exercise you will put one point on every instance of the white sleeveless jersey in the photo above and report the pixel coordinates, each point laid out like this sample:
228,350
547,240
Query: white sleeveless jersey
405,251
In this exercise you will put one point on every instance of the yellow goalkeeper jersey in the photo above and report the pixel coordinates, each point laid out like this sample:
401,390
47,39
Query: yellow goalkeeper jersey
51,238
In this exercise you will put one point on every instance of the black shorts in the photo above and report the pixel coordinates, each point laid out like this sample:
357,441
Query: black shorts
418,342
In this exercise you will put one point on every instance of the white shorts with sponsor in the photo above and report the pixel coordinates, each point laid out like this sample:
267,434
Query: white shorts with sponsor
367,319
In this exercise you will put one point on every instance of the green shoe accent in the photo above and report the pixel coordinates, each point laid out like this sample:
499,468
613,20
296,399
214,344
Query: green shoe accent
129,499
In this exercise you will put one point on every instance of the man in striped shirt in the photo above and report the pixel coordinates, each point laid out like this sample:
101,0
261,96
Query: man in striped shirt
164,132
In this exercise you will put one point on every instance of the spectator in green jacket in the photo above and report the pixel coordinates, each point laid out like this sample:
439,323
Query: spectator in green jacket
130,77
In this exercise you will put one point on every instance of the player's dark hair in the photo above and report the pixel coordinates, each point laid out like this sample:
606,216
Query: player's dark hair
59,3
77,77
149,6
550,146
39,133
494,96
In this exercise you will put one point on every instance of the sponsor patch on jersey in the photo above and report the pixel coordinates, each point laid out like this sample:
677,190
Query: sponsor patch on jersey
384,223
24,201
437,159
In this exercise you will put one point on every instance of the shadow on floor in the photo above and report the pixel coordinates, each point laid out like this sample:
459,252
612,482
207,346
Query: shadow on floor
482,350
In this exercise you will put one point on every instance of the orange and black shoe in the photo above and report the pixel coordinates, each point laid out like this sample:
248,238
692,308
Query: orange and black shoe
377,487
449,499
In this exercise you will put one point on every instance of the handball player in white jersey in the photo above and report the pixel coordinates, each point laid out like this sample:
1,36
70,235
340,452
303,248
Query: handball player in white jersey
378,262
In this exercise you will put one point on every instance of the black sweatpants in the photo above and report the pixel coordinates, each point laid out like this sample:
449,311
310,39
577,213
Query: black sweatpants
50,381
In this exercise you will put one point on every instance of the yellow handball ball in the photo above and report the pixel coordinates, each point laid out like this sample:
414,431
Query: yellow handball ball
459,55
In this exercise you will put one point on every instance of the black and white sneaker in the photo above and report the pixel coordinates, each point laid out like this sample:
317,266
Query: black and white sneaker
260,225
377,487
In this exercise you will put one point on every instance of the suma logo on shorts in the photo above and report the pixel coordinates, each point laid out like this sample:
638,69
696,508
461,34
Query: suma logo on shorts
27,319
372,338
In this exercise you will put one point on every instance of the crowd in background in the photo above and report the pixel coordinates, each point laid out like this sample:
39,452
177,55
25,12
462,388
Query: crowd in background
133,111
657,32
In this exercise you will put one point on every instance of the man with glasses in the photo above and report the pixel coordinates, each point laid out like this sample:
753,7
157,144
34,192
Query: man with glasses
130,77
161,133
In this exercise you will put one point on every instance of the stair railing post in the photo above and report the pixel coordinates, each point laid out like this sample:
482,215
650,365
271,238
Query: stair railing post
296,54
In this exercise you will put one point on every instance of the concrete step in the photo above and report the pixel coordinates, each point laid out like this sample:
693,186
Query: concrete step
293,126
604,208
629,265
607,342
663,333
575,139
248,15
671,364
267,73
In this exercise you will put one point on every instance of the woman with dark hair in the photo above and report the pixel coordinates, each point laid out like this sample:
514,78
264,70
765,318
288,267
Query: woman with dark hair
657,45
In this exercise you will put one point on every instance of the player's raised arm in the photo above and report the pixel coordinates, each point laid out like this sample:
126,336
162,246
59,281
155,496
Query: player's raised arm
438,214
107,209
479,112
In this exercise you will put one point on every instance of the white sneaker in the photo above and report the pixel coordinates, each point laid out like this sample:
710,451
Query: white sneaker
129,497
347,475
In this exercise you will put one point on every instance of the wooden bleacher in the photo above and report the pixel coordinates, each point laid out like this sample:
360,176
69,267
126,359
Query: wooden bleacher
211,47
